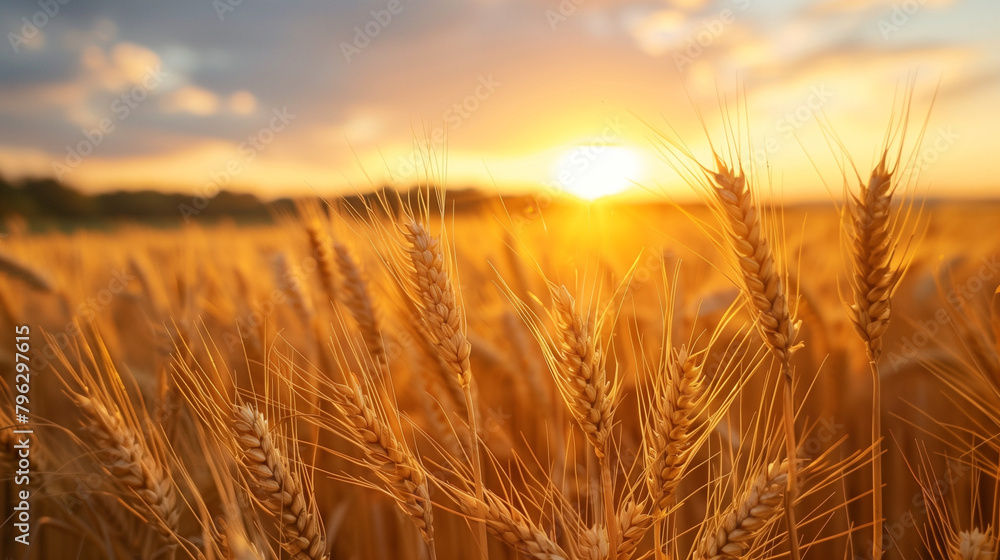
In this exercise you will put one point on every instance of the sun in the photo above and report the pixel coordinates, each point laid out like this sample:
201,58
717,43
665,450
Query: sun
591,172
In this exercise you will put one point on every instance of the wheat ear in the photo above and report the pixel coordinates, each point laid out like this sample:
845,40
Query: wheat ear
278,487
388,459
359,302
319,241
734,534
287,278
593,544
234,542
871,252
668,441
437,301
510,526
125,457
434,408
581,375
974,545
761,277
634,523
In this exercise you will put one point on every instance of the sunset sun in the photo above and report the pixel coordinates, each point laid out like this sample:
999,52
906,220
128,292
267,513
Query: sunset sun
592,172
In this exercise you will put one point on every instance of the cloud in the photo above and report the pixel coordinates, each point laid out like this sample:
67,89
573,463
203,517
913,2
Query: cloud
242,102
832,7
193,100
19,161
133,62
658,32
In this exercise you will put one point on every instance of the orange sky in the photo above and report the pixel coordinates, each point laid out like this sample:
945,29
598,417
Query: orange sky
284,100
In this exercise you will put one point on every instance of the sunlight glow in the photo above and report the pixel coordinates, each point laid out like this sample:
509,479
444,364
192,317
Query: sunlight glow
594,171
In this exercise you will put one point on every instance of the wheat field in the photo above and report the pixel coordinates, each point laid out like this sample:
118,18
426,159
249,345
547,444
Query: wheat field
417,378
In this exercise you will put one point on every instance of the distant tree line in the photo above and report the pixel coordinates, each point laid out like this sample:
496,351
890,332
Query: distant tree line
41,200
47,198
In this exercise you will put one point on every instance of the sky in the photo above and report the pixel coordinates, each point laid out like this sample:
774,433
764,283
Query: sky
290,97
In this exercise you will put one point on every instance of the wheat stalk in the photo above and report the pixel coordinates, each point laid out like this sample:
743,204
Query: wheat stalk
732,535
434,295
874,280
277,486
765,289
125,457
583,383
